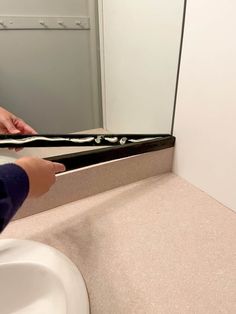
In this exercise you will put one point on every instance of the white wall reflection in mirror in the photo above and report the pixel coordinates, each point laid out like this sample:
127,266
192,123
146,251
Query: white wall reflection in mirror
140,51
118,76
51,78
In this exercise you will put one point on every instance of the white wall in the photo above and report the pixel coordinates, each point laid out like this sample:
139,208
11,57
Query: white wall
205,124
140,46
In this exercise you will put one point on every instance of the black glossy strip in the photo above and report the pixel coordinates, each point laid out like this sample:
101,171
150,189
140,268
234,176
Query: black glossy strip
68,140
83,159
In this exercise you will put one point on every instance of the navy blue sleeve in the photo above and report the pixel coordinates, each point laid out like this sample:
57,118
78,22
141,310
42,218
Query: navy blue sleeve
14,188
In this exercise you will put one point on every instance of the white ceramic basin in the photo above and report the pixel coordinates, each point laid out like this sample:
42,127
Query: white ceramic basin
38,279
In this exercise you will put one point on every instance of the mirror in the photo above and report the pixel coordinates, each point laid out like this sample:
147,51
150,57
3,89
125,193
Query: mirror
91,66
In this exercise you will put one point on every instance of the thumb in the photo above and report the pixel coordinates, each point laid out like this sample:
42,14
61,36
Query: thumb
10,127
58,167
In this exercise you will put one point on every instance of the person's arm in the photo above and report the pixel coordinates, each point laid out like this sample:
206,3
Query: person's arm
14,188
28,177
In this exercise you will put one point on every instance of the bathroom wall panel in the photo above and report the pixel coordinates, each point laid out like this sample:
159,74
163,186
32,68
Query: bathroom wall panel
205,126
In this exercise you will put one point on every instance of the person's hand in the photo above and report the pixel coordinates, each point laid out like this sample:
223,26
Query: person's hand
10,124
41,174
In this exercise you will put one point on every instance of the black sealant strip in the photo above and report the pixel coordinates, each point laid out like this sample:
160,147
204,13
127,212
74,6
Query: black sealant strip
88,158
67,140
116,146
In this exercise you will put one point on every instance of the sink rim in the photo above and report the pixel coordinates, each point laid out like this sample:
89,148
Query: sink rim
16,251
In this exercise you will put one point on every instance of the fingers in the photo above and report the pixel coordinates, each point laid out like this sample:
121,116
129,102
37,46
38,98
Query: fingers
29,131
41,174
8,124
24,128
21,127
13,124
18,149
58,167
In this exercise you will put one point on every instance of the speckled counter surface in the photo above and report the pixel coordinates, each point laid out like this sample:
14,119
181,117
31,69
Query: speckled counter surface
154,246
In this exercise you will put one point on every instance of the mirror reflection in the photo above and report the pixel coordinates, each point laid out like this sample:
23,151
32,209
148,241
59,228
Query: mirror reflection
90,66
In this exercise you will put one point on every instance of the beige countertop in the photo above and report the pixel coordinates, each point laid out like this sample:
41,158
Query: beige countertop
154,246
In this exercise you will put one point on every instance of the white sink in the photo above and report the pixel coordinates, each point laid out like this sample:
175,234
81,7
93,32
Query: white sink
38,279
